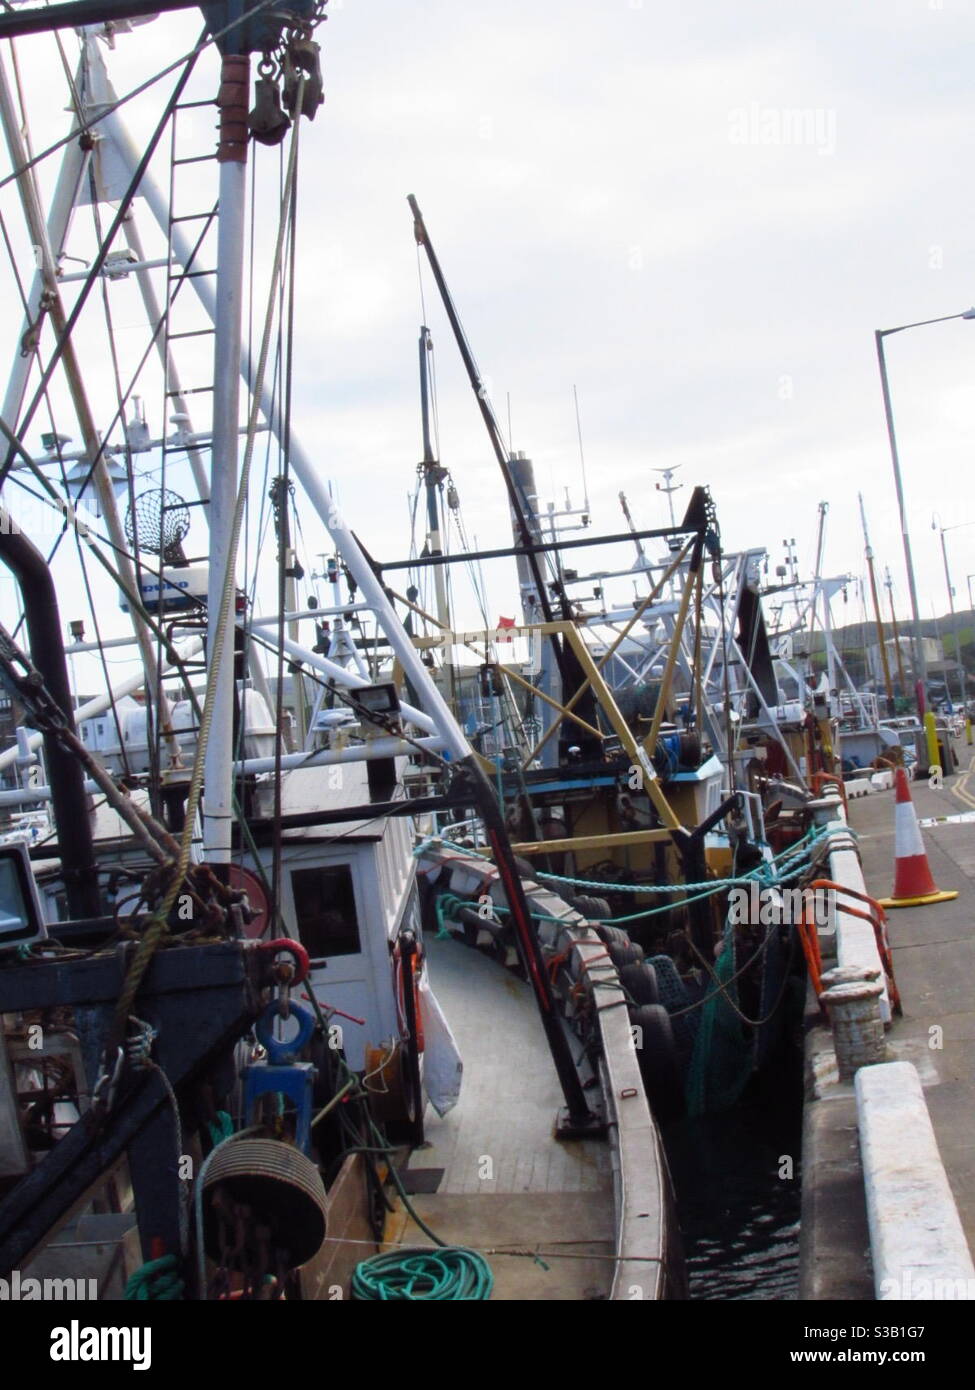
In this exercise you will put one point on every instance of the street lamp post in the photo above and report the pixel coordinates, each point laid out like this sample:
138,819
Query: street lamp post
951,602
920,665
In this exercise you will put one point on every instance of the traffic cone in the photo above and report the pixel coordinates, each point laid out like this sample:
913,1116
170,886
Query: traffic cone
913,884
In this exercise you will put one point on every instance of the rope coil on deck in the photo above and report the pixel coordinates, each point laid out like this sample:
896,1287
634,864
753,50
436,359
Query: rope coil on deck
449,1274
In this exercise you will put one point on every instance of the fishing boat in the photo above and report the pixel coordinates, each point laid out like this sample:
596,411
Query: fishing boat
253,981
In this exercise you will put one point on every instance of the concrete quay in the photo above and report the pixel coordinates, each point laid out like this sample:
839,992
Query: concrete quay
933,951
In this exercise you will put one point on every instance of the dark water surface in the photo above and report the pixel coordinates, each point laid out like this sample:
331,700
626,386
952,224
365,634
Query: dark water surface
739,1218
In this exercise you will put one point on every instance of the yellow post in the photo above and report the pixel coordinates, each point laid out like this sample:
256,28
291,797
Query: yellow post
931,735
968,731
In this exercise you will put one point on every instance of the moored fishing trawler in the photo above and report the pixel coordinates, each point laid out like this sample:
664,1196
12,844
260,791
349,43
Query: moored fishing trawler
231,888
226,1004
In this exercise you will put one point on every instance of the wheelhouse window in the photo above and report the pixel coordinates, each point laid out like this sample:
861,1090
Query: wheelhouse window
325,911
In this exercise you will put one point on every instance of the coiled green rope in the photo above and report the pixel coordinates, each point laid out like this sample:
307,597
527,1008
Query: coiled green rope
157,1280
450,1274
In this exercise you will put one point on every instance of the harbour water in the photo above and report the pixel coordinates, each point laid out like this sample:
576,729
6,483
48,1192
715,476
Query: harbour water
738,1181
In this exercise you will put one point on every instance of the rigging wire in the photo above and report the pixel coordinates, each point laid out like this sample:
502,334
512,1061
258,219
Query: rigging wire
582,456
205,41
116,419
99,261
153,729
54,431
286,342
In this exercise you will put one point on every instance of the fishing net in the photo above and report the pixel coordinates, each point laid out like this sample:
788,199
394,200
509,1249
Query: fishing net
159,522
724,1048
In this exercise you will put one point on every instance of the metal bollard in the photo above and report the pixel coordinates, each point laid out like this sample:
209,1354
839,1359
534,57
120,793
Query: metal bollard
852,997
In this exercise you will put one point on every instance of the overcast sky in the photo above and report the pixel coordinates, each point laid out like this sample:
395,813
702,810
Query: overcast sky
618,200
697,215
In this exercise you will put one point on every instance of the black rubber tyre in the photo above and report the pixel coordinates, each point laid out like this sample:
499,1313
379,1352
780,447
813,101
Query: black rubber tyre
659,1064
640,983
612,936
590,908
622,956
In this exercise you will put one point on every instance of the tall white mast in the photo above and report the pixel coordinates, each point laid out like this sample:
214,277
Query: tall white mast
232,155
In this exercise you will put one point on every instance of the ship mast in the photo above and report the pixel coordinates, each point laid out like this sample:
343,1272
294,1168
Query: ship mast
232,157
433,474
868,552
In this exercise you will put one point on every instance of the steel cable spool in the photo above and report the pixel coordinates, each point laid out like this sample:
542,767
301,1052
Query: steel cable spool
281,1188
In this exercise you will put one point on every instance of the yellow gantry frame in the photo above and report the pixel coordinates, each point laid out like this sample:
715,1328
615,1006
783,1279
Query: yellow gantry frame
639,751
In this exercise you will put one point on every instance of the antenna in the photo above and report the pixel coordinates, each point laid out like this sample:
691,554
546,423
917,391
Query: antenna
863,522
666,487
582,457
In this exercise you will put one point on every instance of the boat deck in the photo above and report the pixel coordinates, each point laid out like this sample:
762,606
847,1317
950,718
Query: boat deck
506,1181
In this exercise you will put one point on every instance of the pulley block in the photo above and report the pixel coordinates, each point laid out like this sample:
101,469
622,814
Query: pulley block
302,57
267,122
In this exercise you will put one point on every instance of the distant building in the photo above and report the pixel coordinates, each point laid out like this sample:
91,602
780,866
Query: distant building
933,656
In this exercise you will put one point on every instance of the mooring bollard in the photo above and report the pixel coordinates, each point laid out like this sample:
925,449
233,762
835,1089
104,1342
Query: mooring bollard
851,997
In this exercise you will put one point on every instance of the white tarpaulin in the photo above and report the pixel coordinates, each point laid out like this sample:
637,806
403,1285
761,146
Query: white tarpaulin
443,1068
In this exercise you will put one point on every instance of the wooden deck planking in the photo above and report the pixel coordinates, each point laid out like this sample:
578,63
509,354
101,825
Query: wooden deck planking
507,1181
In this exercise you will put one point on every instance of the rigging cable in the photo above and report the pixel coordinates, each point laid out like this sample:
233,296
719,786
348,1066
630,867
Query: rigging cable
286,494
205,40
118,416
158,926
96,267
153,725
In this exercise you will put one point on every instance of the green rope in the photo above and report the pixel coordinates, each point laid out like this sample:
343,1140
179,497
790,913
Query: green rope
221,1127
450,1274
814,837
157,1280
440,903
765,871
766,875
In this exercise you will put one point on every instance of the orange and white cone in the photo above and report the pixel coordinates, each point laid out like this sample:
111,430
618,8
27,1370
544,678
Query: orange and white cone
913,884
